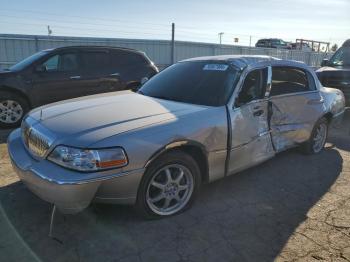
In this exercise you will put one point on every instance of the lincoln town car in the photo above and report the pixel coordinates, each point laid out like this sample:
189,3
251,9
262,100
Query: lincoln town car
197,121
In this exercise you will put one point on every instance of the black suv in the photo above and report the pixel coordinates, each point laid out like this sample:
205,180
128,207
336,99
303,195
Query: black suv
335,72
62,73
272,43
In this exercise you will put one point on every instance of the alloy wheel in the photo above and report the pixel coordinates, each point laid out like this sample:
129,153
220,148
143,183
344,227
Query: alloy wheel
10,111
169,189
320,137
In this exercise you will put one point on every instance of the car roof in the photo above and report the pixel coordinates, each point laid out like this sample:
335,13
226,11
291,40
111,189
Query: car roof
346,43
247,60
269,39
90,47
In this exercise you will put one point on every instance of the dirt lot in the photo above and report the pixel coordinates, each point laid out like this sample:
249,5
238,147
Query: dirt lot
291,208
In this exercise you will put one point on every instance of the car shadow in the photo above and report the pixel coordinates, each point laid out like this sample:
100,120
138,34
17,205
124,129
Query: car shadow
4,133
339,136
245,217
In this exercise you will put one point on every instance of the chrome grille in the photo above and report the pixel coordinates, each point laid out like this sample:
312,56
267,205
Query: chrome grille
36,142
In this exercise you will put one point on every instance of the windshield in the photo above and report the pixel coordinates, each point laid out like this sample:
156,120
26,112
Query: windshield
341,57
204,83
27,61
278,42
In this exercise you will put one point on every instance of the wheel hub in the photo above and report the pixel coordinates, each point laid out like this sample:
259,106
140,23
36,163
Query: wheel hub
171,189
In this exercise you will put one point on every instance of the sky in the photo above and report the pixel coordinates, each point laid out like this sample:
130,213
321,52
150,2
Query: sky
195,20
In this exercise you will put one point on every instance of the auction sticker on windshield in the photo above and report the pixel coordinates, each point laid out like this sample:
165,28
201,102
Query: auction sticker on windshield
215,67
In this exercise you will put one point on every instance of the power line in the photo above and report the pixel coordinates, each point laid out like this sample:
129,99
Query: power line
78,23
86,28
184,32
81,17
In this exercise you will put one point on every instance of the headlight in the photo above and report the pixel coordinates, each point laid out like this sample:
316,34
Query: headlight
88,160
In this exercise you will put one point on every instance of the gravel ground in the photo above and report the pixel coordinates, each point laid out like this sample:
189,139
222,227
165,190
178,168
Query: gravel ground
291,208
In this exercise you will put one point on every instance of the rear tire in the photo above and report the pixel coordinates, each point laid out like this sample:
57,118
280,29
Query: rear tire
318,138
12,109
169,185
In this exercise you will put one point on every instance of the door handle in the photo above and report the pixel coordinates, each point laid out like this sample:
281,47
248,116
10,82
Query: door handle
258,112
115,74
315,101
75,77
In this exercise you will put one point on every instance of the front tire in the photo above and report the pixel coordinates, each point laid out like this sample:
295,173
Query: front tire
169,185
12,109
318,137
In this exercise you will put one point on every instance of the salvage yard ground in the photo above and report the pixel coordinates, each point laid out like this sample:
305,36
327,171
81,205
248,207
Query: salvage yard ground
291,208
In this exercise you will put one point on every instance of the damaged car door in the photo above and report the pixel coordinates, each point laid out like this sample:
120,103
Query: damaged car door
295,106
250,138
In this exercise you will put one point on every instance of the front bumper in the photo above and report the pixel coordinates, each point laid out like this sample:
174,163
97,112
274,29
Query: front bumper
69,190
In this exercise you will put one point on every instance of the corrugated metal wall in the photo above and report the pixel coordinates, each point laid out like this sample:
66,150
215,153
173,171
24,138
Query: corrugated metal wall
14,48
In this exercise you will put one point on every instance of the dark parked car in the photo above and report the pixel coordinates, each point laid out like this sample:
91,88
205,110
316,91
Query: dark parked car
62,73
335,72
272,43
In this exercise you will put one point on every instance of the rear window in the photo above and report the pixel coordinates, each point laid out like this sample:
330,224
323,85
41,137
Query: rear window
123,58
204,83
287,80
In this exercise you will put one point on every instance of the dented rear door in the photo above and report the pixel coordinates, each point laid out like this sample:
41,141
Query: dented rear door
294,106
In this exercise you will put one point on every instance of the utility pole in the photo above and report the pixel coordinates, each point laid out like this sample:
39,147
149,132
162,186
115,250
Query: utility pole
220,36
49,31
250,41
172,43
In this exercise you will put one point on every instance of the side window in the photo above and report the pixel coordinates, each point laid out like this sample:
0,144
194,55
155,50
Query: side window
62,63
254,87
95,60
122,58
52,63
287,80
68,62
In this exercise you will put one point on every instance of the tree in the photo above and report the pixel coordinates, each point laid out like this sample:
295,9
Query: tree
334,47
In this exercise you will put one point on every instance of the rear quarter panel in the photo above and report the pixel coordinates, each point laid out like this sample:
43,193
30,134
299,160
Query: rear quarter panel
334,100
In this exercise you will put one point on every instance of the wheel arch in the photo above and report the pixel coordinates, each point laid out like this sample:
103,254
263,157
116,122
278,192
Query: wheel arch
17,92
193,148
328,116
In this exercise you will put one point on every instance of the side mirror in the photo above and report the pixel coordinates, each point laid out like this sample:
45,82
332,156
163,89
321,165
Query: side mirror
40,68
324,62
143,80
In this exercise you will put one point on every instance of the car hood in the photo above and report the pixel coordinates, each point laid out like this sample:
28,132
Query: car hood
333,69
86,120
338,77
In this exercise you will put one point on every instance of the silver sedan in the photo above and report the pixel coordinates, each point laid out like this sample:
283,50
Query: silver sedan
197,121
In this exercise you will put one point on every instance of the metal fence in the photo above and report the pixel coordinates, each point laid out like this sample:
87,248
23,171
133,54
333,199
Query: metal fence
14,48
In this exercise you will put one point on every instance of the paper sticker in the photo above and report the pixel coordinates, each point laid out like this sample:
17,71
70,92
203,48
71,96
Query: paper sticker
215,67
